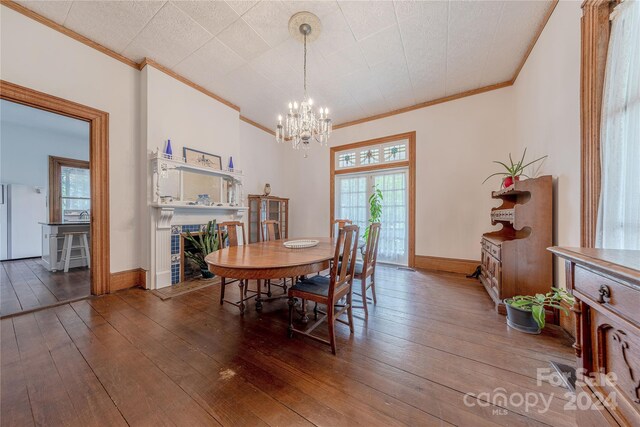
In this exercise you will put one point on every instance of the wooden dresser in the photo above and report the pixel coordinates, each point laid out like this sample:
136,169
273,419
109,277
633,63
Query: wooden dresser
606,284
514,259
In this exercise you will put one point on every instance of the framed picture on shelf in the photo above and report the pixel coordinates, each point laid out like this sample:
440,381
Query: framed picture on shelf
200,158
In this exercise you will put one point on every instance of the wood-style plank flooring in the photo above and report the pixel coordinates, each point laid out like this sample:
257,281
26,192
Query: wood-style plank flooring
26,284
132,359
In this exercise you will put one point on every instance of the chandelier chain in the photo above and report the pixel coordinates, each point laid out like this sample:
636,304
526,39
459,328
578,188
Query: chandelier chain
305,66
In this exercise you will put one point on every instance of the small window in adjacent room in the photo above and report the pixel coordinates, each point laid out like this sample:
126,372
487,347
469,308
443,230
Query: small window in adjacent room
69,190
619,211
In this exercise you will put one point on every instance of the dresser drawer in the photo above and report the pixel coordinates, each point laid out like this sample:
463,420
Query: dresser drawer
607,292
491,248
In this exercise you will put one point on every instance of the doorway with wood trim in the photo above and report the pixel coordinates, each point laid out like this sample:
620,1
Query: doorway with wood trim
99,245
389,163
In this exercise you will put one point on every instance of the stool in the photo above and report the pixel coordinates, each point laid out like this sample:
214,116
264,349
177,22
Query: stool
83,245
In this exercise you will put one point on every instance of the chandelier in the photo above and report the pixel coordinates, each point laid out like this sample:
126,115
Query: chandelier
301,124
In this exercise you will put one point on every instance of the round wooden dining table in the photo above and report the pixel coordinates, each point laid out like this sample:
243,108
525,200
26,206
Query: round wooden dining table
270,260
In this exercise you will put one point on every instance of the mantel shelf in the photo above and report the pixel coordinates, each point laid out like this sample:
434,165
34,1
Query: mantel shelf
198,207
179,163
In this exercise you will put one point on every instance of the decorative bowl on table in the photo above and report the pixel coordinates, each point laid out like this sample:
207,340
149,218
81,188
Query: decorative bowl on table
301,244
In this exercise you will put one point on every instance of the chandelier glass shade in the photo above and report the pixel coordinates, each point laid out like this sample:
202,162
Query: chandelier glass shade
301,123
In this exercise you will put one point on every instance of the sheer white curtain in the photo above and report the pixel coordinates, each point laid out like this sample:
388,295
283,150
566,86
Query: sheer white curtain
619,211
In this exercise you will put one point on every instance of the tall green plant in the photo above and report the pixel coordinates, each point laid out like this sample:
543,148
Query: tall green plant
203,244
536,303
514,169
375,209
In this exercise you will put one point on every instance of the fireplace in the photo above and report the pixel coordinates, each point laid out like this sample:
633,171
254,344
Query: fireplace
167,263
181,267
188,269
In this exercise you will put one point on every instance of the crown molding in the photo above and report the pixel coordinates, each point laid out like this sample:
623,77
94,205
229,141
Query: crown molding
139,66
150,62
424,104
67,32
258,125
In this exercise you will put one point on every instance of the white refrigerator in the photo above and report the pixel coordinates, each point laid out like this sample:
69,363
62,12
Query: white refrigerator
22,209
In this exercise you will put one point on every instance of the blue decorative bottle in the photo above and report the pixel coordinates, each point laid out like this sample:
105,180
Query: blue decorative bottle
231,163
168,151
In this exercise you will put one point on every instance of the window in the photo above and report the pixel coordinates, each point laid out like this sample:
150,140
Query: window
395,152
370,155
618,225
352,202
346,160
387,162
69,190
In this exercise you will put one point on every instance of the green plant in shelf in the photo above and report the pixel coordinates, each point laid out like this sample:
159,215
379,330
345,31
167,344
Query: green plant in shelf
513,171
537,303
375,209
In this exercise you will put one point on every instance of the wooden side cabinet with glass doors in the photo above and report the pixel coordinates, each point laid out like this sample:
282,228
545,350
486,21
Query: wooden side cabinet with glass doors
262,208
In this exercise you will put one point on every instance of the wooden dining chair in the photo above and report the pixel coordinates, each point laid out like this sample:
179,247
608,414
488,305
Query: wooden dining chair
271,231
229,237
329,291
367,268
340,223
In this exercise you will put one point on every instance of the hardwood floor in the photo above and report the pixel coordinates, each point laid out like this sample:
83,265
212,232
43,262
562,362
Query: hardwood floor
131,358
26,285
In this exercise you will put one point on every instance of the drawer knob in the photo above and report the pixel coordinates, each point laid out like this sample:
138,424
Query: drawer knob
604,294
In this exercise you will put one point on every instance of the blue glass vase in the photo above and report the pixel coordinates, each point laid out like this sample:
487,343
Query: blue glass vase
230,163
168,151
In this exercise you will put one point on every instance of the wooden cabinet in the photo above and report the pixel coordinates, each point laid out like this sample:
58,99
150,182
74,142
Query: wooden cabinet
606,284
514,259
262,208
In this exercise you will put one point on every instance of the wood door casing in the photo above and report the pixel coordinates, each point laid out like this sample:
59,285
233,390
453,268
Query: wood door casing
99,170
410,164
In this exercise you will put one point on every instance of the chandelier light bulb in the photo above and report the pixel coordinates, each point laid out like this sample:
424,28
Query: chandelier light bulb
295,105
310,101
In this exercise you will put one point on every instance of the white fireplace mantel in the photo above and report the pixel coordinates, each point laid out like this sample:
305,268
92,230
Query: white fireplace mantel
163,217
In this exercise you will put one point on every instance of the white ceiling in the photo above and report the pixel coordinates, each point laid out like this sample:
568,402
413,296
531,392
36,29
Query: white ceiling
372,56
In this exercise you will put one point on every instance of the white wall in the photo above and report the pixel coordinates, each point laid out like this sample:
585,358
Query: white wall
457,141
27,141
547,116
455,144
172,110
43,59
262,161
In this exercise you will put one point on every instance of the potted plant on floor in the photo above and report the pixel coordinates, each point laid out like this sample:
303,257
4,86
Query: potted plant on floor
203,244
526,313
514,170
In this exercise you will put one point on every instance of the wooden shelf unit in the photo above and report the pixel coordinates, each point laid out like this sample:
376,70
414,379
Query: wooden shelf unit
514,259
267,207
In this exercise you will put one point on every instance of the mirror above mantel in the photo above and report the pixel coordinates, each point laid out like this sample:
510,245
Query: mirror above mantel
179,184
